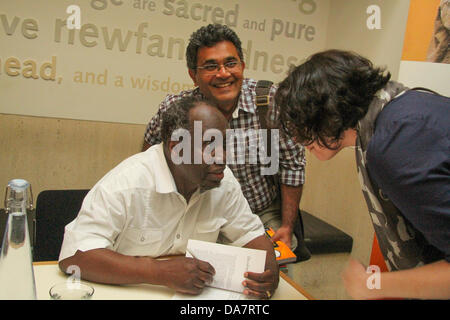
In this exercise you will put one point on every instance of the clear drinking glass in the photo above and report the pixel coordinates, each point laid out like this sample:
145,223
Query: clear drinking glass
71,291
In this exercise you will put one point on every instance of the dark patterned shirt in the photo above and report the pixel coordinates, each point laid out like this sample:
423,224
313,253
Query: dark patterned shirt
259,189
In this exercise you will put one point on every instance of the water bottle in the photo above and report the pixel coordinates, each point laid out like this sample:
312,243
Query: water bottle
16,264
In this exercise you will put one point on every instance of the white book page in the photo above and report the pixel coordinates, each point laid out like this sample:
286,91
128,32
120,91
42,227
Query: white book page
230,263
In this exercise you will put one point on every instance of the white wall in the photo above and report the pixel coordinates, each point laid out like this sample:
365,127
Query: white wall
126,57
347,30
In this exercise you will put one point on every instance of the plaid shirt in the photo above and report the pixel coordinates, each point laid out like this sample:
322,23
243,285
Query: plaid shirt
259,190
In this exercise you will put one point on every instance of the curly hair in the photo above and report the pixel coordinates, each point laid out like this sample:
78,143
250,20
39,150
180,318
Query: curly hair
208,36
326,95
177,116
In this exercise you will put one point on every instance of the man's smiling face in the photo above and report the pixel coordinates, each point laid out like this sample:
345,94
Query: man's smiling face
223,87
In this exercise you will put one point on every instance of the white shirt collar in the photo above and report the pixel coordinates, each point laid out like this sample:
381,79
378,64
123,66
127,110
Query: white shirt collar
165,183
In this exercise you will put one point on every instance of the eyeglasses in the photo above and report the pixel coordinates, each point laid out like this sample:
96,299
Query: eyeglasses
213,68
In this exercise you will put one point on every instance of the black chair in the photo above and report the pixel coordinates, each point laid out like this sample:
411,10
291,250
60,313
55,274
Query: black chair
322,237
54,210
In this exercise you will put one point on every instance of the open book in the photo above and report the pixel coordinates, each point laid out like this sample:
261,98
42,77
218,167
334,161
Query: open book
229,262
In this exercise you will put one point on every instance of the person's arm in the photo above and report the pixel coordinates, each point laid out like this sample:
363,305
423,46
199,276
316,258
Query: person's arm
431,281
182,274
290,200
262,285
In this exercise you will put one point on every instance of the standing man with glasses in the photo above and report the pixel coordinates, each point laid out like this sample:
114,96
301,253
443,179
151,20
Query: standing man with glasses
216,65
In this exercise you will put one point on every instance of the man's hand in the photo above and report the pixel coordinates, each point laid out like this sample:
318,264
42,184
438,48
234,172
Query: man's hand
284,234
187,275
355,281
290,199
260,285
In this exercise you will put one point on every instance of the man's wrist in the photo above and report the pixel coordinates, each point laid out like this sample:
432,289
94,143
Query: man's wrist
151,271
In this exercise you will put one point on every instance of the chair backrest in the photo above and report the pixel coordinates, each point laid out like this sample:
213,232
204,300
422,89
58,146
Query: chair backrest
54,210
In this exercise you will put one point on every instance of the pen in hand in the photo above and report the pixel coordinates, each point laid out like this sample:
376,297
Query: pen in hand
212,271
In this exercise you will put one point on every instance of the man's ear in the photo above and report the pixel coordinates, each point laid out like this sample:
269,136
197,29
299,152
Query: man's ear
193,74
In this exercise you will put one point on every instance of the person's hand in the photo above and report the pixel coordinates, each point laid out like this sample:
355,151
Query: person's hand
284,234
260,285
187,275
355,281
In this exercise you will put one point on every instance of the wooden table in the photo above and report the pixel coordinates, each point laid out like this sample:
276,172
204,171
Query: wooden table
48,274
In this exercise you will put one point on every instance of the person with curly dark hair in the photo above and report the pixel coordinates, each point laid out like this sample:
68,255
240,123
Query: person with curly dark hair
334,90
216,65
338,99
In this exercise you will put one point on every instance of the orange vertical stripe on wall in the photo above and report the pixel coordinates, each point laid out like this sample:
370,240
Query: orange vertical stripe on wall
419,29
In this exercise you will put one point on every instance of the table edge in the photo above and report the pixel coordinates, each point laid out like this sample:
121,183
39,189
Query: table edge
286,278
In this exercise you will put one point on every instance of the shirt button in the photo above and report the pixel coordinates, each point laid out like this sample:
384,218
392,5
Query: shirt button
178,236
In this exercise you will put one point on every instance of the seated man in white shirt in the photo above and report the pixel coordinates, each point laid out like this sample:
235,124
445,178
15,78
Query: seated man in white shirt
149,206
